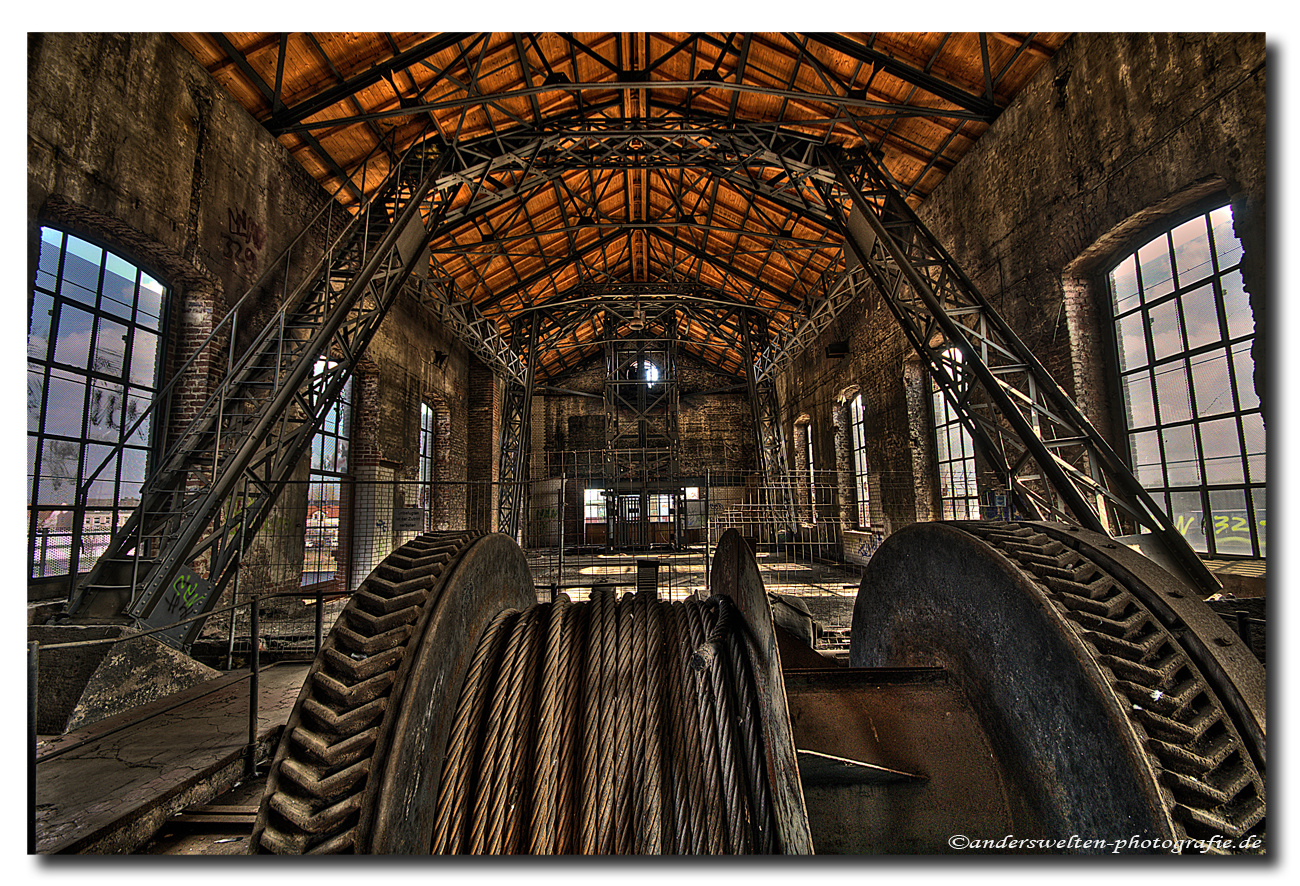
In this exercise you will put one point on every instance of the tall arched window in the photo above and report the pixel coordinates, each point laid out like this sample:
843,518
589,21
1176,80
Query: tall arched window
1184,329
326,538
861,483
428,443
954,450
94,347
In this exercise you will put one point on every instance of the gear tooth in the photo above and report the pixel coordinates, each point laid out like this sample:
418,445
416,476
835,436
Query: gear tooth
1202,763
317,784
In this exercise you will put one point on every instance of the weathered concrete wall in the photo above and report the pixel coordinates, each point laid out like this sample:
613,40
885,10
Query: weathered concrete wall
1116,133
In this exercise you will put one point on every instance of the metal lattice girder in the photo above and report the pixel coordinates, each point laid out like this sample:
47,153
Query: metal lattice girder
803,329
215,485
463,320
1051,458
772,449
571,326
516,440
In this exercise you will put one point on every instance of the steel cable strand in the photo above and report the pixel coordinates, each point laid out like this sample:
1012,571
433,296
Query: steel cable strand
606,749
675,753
714,788
707,625
767,840
488,762
591,762
542,839
652,818
624,735
737,727
522,743
701,807
459,765
573,631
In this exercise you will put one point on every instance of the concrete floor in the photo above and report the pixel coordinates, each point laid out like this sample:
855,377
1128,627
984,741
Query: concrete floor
109,787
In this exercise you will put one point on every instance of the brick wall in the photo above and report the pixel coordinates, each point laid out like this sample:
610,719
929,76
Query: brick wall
1116,132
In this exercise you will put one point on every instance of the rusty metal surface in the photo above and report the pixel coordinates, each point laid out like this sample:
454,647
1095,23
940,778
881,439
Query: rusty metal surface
934,595
1155,660
491,576
320,793
915,721
1227,663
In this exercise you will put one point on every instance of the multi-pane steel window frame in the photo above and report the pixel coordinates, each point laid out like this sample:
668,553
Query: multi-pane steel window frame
427,441
327,483
954,450
85,299
1182,335
593,505
858,436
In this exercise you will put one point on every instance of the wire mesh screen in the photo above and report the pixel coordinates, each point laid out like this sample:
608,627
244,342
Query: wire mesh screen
578,533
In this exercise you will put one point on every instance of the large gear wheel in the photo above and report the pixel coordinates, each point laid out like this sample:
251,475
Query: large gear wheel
350,773
1125,706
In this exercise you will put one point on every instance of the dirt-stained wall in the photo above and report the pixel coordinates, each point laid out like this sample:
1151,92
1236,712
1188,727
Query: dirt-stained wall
1116,133
130,143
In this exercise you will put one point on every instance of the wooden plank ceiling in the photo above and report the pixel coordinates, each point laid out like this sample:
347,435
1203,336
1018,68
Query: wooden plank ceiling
628,226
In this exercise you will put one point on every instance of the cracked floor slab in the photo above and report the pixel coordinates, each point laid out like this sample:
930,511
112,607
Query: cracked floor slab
114,773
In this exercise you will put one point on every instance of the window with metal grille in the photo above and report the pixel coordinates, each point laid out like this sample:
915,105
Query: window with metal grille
593,505
1183,331
659,508
94,344
954,450
861,487
812,483
326,533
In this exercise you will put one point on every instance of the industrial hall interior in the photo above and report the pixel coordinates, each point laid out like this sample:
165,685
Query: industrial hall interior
647,443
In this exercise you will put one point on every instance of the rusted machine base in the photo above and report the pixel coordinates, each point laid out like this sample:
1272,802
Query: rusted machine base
932,774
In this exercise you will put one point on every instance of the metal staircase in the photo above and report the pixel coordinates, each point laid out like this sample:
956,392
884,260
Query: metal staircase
221,473
1043,451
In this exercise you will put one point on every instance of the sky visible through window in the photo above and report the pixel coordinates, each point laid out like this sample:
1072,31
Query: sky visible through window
1184,331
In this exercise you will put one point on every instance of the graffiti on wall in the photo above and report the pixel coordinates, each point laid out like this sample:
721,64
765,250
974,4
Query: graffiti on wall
246,237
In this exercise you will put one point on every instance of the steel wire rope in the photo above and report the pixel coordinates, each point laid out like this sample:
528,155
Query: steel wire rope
450,814
573,636
611,726
714,728
708,788
750,712
545,787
